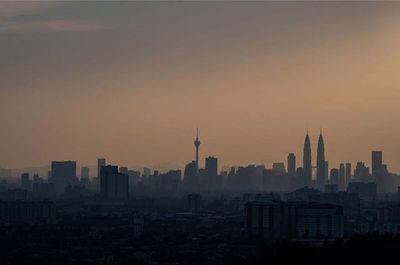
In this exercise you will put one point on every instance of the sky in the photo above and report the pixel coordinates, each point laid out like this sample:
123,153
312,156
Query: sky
131,81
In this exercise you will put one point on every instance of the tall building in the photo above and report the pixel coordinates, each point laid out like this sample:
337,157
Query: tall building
113,185
190,175
63,174
321,177
291,165
342,177
278,168
85,172
211,172
361,173
376,163
197,145
26,183
348,173
307,167
101,162
334,176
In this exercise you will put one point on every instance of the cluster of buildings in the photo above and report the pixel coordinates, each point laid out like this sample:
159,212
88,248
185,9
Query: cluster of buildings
293,220
120,183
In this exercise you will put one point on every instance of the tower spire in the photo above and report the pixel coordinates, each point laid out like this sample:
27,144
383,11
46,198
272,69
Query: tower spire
197,145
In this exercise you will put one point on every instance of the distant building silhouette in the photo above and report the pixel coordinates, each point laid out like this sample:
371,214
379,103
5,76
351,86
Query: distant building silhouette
278,168
113,184
85,172
63,173
291,168
348,173
376,163
190,176
101,162
334,176
293,220
211,173
307,166
26,183
321,163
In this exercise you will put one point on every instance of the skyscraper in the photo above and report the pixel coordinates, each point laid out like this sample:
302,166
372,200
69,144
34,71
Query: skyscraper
63,173
342,177
113,185
307,167
291,165
85,172
376,163
348,173
197,145
101,162
211,172
26,183
190,175
321,178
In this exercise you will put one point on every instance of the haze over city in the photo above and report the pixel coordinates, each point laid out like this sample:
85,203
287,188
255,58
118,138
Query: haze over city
131,81
199,132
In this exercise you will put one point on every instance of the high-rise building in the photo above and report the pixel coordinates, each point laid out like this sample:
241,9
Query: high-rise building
85,172
334,176
211,172
376,163
113,185
361,173
291,165
342,177
348,173
307,166
190,175
197,145
101,162
26,183
321,177
63,174
278,168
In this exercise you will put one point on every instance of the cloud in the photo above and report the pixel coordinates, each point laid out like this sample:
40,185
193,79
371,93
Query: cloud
30,17
60,25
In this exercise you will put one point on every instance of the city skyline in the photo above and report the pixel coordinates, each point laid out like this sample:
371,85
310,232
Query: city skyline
313,158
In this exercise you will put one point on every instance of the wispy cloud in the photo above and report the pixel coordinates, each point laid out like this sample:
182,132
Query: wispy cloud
25,17
53,25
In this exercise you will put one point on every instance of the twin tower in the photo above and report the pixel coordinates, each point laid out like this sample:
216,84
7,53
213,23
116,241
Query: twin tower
322,164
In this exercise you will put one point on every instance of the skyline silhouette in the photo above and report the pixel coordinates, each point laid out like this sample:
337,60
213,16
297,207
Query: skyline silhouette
199,132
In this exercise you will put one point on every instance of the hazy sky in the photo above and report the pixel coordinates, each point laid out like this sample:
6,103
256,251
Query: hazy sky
130,81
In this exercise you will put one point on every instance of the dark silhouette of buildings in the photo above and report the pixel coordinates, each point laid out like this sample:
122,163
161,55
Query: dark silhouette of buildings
300,221
307,166
291,165
26,183
376,163
113,184
212,179
101,162
85,172
63,174
321,163
24,212
348,173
